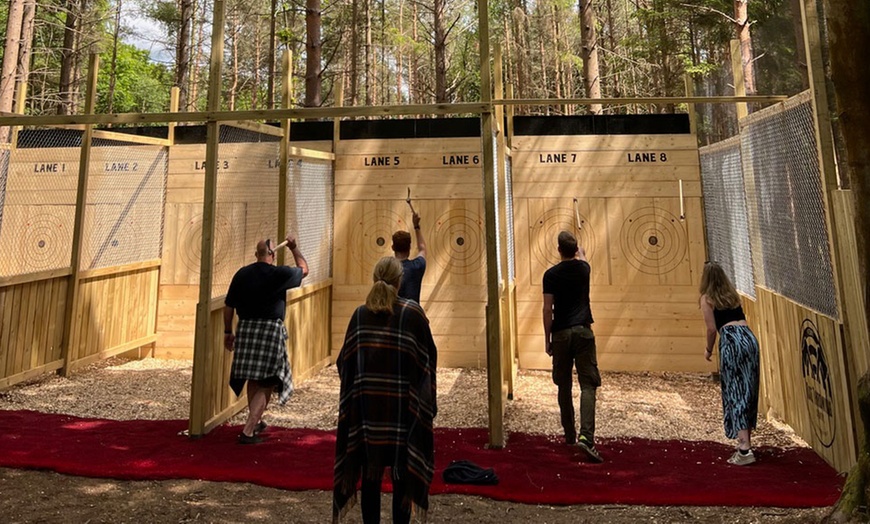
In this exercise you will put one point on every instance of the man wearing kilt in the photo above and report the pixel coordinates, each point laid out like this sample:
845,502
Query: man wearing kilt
258,293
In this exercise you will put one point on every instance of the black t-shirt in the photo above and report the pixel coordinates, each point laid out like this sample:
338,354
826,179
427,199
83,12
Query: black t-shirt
568,282
412,278
259,290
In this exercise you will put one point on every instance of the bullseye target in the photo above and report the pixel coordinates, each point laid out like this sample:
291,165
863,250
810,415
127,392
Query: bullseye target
190,243
545,232
372,236
44,242
458,235
110,243
653,241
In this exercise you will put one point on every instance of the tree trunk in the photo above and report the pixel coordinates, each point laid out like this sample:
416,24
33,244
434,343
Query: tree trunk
182,55
9,71
113,65
413,85
197,60
313,50
741,26
67,60
440,49
273,39
354,53
400,72
848,24
25,46
255,88
589,53
801,65
234,51
368,32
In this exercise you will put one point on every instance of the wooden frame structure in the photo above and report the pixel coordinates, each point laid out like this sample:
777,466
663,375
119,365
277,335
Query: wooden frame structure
209,406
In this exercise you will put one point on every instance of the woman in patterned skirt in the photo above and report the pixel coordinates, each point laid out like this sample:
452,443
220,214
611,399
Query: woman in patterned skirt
738,358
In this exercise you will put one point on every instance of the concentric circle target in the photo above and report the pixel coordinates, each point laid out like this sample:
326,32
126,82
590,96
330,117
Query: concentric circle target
190,242
44,242
545,232
371,237
458,235
653,241
109,243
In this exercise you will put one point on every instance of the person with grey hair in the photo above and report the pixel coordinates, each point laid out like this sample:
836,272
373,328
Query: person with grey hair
258,293
569,340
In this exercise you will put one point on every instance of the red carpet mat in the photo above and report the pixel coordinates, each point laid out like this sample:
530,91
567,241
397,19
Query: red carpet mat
532,469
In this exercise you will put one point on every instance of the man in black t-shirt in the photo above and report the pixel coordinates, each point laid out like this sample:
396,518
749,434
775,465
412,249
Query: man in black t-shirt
570,341
413,269
258,293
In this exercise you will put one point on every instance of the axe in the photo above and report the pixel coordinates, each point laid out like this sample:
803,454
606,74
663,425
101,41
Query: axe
408,200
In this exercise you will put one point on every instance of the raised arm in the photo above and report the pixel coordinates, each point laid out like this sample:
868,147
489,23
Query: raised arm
421,243
297,255
710,322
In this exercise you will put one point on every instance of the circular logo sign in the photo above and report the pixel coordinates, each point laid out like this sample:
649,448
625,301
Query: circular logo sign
817,384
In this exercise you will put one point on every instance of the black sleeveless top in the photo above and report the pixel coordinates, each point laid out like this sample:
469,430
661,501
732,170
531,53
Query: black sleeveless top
724,316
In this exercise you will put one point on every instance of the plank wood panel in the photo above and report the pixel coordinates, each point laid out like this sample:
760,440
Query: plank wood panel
30,327
603,142
582,158
805,391
645,244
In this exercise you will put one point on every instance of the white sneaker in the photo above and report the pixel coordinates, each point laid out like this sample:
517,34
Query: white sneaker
739,459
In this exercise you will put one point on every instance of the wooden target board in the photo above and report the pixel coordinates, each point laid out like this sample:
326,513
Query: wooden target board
39,210
246,211
372,178
644,242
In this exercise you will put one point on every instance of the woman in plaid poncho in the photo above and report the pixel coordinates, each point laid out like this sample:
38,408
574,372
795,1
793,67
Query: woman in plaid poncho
387,403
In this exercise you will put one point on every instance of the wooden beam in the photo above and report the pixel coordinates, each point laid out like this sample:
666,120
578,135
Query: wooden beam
126,137
493,324
310,153
70,328
739,80
286,90
364,111
690,92
34,277
199,407
174,99
256,127
118,270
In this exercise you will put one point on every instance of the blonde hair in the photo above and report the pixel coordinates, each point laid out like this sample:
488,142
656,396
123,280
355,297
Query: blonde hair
718,289
385,290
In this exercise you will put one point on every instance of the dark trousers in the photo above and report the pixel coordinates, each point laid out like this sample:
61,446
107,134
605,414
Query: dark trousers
370,500
574,347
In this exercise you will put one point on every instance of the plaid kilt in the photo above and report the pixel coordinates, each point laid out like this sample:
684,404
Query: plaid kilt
261,354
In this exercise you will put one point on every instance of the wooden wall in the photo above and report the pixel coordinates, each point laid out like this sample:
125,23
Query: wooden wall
646,261
31,326
307,347
372,178
804,375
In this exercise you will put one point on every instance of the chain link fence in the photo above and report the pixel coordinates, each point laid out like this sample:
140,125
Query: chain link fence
511,242
310,196
725,208
247,201
39,200
779,153
125,202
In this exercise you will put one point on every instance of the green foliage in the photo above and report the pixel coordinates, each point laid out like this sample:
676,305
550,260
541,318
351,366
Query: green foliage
141,86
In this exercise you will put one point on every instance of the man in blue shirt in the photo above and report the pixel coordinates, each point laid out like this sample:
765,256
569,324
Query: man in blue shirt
413,269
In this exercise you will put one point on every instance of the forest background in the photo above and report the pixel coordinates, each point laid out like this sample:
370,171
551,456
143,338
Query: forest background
401,52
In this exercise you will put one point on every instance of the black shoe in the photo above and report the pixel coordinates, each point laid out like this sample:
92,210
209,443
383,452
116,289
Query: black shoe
253,439
590,450
260,427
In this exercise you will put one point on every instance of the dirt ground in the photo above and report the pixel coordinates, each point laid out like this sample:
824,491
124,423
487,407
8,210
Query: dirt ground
651,405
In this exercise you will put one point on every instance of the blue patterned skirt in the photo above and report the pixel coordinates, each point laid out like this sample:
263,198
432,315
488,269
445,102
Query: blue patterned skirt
739,363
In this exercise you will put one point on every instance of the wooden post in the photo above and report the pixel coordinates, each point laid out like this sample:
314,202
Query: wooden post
854,322
174,95
336,122
690,92
20,100
70,326
509,136
286,89
493,332
200,380
739,81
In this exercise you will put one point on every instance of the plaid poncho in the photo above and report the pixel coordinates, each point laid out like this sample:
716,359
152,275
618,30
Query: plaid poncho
387,404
